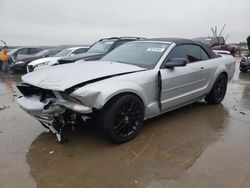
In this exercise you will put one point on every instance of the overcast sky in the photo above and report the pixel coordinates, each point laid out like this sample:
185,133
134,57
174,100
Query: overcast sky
55,22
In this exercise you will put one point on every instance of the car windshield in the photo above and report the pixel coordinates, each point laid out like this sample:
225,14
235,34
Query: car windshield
41,53
64,52
53,52
101,47
142,54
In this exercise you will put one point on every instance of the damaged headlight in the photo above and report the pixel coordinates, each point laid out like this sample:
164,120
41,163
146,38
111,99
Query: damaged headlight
73,104
69,98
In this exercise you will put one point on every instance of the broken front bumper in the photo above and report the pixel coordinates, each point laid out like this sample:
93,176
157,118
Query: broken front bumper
50,112
34,106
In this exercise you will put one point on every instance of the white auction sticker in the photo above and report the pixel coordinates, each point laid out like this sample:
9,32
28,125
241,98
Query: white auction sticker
155,49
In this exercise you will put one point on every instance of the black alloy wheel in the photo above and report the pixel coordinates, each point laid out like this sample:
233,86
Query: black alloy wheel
123,118
218,91
127,119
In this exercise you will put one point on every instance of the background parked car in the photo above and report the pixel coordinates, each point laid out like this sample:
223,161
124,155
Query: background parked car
46,62
24,52
245,64
218,43
99,49
20,66
16,53
245,61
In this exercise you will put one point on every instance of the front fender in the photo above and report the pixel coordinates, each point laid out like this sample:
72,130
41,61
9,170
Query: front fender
97,95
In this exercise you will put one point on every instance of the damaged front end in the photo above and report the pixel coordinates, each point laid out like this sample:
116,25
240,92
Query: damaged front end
53,109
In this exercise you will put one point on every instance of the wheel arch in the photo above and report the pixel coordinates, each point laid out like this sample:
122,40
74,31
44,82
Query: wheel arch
224,73
116,95
219,71
211,84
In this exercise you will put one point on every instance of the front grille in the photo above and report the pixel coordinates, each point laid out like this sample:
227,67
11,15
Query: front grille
28,90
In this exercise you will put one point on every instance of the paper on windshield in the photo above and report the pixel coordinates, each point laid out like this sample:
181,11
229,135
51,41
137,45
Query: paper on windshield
155,49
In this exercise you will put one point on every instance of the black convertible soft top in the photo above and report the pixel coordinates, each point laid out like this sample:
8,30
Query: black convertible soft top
181,41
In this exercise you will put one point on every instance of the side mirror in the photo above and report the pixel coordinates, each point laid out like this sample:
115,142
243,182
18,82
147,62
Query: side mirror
176,62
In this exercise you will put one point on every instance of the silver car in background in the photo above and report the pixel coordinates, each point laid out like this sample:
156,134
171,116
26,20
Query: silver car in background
137,81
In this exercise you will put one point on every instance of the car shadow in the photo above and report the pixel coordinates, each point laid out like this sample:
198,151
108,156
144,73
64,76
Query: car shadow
164,149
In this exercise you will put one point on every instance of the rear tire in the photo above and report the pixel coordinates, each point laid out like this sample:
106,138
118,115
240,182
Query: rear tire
217,94
122,118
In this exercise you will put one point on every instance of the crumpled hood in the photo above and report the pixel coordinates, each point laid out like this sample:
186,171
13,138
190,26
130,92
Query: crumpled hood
62,77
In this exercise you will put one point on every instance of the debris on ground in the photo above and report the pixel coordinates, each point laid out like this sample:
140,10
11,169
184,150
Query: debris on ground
51,152
135,181
243,113
3,107
234,107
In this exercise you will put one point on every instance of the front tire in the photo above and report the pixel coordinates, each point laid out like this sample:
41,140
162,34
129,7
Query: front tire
218,92
122,118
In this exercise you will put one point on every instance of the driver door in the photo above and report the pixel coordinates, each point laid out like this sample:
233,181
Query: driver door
183,84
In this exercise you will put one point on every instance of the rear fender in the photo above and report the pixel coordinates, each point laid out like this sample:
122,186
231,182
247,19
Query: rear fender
221,69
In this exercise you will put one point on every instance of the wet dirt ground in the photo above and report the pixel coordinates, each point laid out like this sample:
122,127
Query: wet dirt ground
199,145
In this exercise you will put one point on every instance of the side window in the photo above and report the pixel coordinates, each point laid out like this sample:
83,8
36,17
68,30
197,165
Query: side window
34,50
177,52
80,50
192,53
23,51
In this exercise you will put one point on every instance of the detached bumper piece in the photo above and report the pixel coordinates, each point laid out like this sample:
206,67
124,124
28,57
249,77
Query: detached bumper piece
54,114
55,125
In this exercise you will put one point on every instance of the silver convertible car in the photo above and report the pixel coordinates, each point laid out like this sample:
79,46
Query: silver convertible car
137,81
